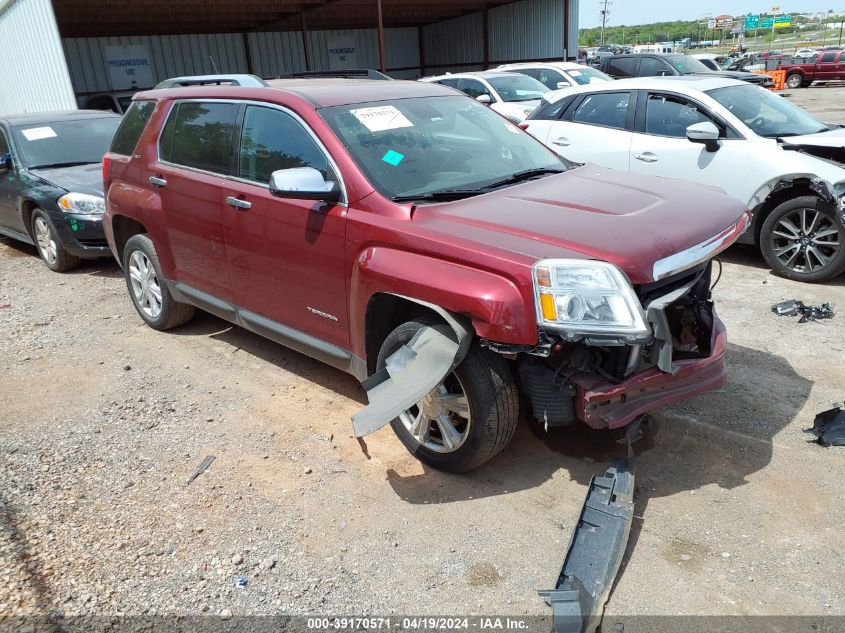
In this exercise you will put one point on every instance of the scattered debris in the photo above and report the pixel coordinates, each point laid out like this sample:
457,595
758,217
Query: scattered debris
241,582
5,306
794,307
829,427
200,469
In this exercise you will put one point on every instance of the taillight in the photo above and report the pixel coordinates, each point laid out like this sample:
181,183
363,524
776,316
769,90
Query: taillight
523,125
105,169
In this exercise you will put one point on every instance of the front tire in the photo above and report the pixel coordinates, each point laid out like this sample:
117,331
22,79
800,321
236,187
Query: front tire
49,246
467,419
804,239
147,286
795,81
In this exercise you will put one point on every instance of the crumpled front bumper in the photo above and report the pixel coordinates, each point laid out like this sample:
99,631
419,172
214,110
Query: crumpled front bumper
604,405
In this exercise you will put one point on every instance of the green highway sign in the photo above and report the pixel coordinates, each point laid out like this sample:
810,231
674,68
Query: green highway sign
767,23
783,21
752,22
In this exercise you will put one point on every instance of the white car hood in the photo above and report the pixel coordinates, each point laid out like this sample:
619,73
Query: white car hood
832,138
516,109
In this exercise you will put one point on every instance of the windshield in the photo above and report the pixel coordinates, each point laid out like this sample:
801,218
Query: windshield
64,143
517,87
413,147
686,64
766,113
586,75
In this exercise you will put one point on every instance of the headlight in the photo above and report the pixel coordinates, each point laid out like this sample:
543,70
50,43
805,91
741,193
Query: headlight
586,297
82,203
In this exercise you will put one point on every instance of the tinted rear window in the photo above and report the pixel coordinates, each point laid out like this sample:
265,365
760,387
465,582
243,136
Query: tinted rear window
623,66
201,135
132,126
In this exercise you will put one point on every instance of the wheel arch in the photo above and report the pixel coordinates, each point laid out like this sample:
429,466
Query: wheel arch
778,190
124,228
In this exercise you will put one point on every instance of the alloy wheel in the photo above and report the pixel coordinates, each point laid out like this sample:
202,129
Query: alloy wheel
44,240
806,240
441,420
145,285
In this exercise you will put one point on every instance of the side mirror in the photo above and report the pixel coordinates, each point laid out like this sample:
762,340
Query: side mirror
6,162
563,84
705,133
303,183
485,99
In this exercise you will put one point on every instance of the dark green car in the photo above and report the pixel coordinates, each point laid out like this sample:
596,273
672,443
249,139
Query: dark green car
51,183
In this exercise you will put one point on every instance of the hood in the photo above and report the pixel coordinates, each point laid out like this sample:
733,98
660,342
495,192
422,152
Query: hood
829,146
742,76
589,212
79,178
517,109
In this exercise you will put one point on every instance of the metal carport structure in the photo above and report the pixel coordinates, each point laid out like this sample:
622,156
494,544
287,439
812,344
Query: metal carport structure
405,38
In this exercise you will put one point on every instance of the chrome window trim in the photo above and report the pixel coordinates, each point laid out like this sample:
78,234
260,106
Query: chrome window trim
249,102
701,252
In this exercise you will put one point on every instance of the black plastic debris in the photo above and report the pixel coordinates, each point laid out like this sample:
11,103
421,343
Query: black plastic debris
200,469
794,307
829,427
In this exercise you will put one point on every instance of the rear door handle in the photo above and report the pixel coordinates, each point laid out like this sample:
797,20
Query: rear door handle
237,203
647,157
157,181
562,141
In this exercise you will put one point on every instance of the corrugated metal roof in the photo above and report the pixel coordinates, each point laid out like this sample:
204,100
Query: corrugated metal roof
33,72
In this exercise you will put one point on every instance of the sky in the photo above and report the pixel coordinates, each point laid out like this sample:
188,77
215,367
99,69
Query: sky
631,12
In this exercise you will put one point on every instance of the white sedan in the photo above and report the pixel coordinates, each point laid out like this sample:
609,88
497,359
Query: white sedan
786,166
513,95
556,75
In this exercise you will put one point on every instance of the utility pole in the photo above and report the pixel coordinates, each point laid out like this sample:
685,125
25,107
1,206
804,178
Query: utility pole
604,14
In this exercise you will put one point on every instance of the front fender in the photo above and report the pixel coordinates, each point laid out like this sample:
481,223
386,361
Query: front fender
826,190
500,309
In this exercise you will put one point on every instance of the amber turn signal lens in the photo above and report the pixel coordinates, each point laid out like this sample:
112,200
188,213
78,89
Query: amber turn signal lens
547,302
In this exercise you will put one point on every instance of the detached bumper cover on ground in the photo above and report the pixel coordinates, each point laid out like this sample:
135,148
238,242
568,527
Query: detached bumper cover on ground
595,551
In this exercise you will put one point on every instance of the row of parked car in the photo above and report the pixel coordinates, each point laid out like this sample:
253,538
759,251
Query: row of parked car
408,234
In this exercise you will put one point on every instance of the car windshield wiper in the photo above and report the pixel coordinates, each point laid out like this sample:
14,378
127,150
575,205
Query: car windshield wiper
75,163
524,175
443,194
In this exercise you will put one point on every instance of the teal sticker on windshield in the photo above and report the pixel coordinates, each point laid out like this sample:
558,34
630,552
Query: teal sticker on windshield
392,157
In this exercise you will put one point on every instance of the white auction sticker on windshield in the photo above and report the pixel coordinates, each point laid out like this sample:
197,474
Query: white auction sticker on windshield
38,133
381,118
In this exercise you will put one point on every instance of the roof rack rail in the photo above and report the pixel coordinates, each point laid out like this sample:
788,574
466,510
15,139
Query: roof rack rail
350,73
247,81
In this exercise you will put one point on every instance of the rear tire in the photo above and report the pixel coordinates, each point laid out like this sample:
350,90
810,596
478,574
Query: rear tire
804,239
148,288
49,246
483,383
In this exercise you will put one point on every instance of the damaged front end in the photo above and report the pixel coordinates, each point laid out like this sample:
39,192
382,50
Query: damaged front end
608,382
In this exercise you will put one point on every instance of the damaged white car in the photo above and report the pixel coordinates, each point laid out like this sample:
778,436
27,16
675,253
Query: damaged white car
785,165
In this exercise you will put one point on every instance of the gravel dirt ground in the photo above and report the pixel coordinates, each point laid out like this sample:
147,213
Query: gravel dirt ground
102,420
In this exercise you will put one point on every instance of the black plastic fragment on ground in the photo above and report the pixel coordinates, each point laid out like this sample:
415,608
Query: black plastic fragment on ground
794,307
829,427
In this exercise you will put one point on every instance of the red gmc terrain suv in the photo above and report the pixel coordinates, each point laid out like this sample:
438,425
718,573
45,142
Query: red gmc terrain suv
416,239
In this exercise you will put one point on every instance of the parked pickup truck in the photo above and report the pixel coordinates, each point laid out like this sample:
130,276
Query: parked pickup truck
826,66
414,238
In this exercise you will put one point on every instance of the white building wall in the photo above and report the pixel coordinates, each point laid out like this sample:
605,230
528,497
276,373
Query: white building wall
33,73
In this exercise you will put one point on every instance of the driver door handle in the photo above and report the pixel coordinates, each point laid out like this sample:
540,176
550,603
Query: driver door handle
157,181
562,141
647,157
237,203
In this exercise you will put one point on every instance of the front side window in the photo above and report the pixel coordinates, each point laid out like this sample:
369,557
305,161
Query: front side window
669,115
200,136
272,140
65,143
416,146
609,109
473,88
653,67
452,83
518,88
131,127
828,57
4,145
